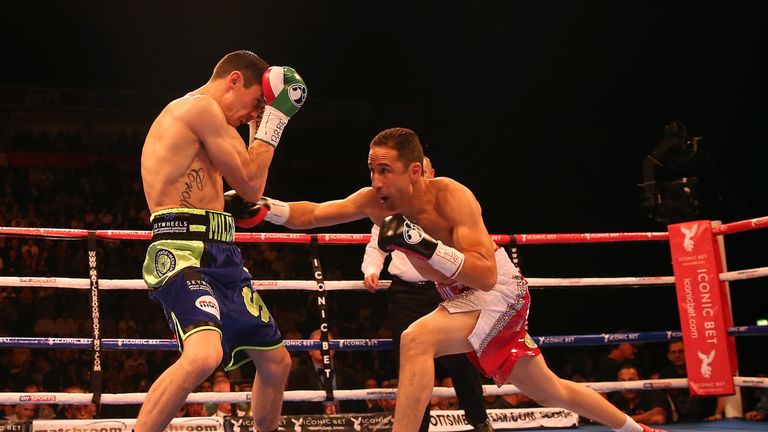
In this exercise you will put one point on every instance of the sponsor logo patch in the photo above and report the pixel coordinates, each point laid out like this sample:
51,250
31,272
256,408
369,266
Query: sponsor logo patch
37,398
165,262
208,304
297,93
529,342
706,359
199,284
412,233
688,242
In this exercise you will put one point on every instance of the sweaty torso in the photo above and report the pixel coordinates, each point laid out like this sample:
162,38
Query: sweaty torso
427,211
175,168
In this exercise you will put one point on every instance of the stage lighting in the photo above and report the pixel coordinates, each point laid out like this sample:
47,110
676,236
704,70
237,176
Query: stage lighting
670,193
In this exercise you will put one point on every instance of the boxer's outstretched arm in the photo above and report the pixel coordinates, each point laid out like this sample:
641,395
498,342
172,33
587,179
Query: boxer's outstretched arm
305,214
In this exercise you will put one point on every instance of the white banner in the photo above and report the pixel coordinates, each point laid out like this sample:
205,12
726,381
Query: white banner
181,424
517,418
440,421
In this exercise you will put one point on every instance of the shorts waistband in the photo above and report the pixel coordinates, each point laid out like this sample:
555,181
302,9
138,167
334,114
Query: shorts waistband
192,224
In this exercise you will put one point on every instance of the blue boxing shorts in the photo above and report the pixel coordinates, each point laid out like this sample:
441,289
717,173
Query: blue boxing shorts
196,272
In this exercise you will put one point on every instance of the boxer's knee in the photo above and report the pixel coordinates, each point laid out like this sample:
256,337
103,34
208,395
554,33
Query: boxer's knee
202,354
416,341
276,365
202,362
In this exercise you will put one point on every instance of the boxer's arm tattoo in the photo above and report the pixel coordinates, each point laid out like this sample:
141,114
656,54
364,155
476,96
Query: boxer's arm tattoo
195,179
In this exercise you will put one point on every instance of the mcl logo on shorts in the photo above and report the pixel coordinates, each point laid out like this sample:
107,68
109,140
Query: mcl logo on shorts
208,304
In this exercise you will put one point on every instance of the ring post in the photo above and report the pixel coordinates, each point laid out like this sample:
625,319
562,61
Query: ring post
325,351
93,274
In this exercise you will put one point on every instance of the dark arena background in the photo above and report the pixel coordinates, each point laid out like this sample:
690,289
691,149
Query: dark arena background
560,116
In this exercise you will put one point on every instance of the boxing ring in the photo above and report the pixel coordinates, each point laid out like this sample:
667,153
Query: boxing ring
441,420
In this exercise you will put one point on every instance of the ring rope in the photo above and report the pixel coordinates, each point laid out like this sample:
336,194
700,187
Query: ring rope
376,393
502,239
367,344
170,344
535,283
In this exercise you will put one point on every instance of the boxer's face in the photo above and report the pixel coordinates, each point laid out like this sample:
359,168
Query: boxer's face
241,104
390,178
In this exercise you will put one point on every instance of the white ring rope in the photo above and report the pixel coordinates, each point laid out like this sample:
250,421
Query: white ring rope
320,395
138,284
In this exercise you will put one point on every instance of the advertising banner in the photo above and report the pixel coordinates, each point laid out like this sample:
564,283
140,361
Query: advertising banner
180,424
702,308
440,421
14,426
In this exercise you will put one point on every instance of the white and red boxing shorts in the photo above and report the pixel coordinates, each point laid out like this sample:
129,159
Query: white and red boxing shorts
500,336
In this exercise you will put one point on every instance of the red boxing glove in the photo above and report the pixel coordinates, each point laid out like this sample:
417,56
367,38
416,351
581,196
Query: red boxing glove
246,214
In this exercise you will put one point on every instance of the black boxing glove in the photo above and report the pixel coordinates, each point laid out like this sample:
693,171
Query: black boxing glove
248,214
398,233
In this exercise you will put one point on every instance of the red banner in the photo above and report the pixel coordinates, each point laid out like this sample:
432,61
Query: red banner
702,308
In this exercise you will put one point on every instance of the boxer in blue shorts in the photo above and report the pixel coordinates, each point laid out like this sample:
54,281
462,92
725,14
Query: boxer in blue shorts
192,266
198,277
